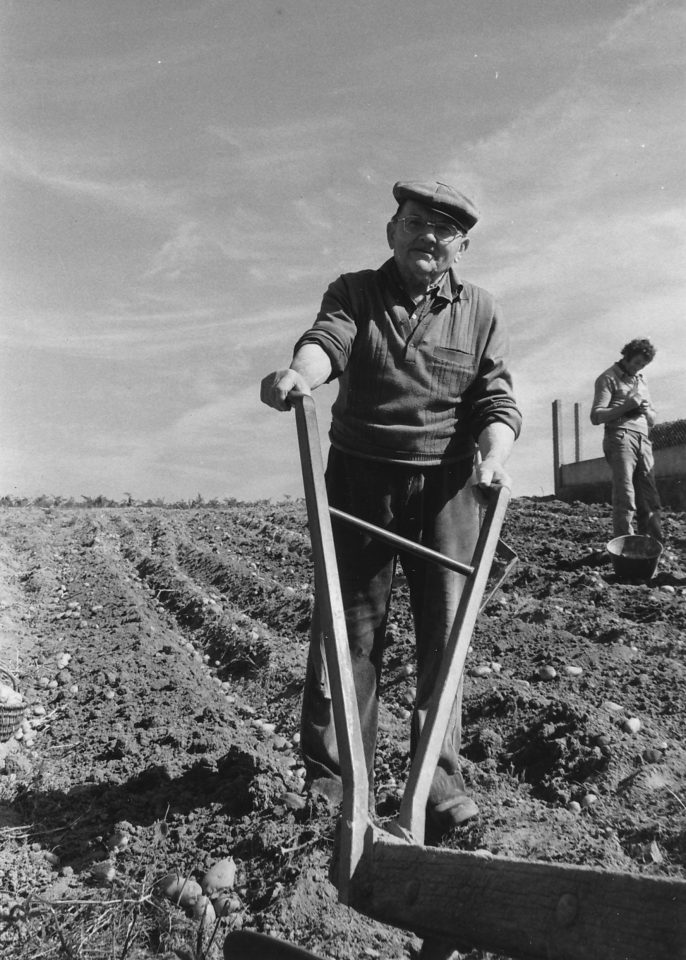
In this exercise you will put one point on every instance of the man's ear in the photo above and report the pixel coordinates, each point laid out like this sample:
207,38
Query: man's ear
462,248
391,227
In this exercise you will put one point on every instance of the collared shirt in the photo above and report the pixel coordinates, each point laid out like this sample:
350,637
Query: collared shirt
417,383
612,388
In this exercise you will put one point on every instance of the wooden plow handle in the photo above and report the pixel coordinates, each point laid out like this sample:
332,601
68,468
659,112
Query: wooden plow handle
355,808
413,807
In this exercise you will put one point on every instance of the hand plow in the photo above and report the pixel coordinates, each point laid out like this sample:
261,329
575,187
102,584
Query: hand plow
454,900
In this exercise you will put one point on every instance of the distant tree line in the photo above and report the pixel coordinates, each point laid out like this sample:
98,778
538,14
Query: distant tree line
45,500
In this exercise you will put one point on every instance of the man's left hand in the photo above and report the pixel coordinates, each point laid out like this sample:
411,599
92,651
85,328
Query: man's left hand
491,473
495,445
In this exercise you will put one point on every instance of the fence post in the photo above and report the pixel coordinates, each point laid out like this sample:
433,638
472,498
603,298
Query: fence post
557,444
577,432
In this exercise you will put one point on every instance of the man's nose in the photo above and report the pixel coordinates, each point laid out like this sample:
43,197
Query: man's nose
428,230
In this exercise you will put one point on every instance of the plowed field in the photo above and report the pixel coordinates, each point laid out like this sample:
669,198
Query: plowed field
161,655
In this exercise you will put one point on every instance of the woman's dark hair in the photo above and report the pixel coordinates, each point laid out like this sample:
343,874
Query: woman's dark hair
639,345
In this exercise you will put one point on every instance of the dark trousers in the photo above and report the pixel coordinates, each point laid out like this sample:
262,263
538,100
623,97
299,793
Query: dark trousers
434,506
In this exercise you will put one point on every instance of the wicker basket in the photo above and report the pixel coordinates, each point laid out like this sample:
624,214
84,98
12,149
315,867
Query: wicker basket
10,716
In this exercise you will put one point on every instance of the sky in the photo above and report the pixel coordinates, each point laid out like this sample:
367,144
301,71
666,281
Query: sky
182,179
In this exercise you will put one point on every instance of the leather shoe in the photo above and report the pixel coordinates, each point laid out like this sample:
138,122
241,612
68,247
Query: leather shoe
452,812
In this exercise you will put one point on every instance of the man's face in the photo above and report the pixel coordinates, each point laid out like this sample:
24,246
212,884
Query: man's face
420,256
635,363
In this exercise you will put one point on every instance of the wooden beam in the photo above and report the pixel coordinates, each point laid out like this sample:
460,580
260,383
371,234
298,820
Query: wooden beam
528,910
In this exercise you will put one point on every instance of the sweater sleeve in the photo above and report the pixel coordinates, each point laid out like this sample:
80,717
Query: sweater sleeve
334,329
490,397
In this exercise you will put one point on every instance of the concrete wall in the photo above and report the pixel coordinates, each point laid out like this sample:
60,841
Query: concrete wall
590,481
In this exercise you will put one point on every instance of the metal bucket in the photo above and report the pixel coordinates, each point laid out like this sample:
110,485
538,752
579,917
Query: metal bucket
635,557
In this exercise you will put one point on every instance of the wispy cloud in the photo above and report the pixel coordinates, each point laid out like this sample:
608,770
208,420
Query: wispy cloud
181,253
641,26
155,334
56,165
306,131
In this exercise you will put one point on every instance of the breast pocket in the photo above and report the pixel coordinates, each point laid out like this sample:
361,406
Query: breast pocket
452,372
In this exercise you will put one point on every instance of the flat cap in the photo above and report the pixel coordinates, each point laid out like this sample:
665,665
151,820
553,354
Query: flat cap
440,197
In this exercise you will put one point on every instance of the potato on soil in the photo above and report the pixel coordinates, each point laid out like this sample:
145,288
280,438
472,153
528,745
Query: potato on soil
180,890
221,876
204,911
103,872
225,903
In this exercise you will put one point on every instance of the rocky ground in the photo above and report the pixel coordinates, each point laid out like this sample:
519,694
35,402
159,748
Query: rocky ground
160,654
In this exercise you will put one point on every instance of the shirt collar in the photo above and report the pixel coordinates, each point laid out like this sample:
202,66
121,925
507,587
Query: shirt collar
625,375
448,287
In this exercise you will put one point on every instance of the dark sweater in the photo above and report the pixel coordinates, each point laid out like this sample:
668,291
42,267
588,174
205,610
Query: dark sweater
415,384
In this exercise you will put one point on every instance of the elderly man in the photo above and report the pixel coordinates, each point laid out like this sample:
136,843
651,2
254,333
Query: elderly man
425,413
622,403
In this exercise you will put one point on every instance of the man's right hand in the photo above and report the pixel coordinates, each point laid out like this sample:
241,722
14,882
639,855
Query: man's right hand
277,386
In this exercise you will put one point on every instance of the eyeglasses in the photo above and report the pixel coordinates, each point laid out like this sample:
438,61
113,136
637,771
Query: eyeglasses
444,232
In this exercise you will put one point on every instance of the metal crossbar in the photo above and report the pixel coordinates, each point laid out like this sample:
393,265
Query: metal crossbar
401,543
